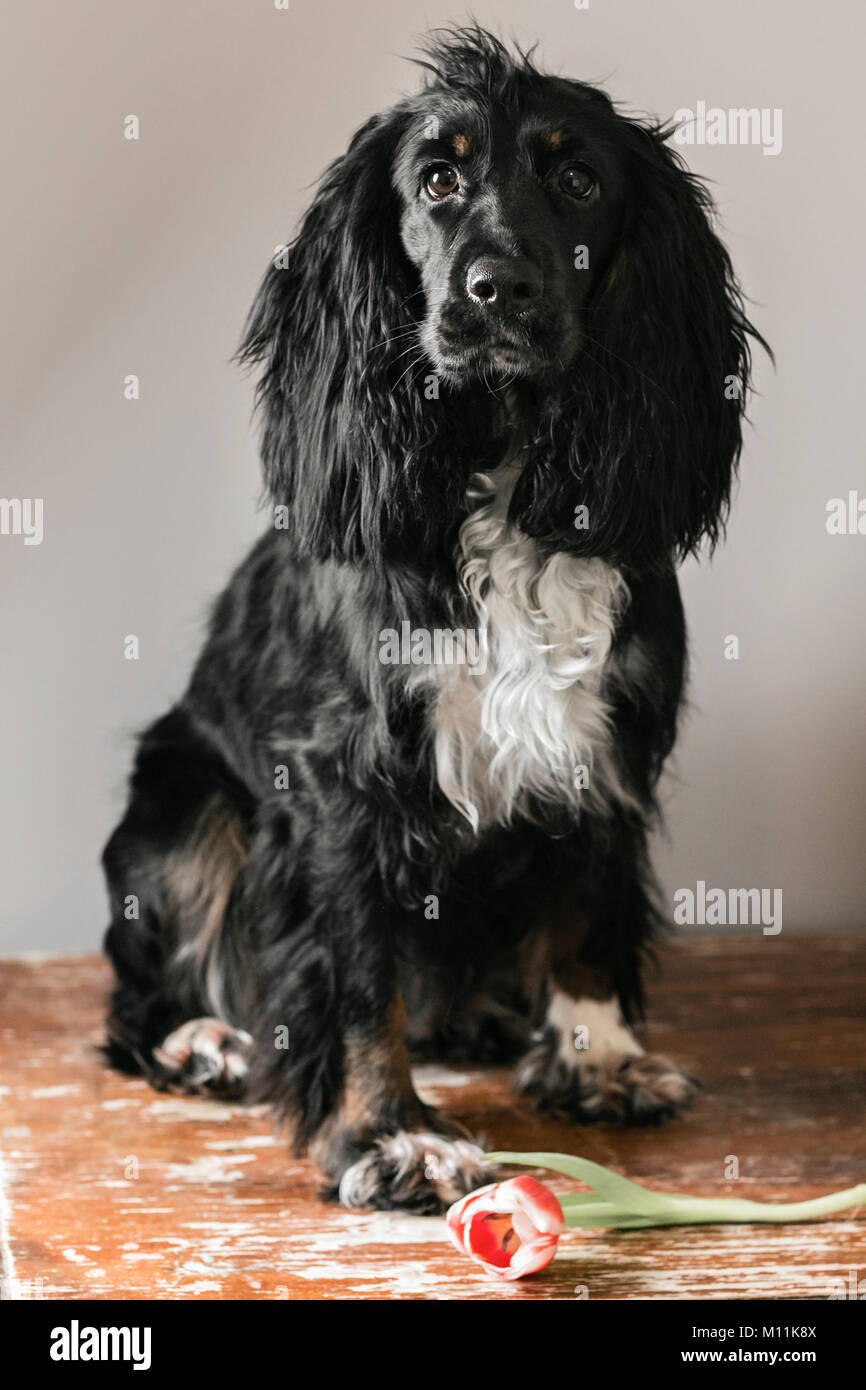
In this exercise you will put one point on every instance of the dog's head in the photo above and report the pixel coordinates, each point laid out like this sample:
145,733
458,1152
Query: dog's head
512,191
503,236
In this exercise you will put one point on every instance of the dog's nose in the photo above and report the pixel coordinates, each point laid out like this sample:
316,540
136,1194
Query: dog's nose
504,284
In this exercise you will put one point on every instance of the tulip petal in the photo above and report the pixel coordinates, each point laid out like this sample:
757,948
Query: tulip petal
492,1239
524,1225
459,1215
531,1258
539,1204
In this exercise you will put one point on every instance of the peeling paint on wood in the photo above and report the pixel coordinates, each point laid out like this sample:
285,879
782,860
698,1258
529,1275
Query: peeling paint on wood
108,1190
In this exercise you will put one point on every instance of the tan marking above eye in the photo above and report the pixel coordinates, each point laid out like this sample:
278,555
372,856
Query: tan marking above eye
553,138
461,144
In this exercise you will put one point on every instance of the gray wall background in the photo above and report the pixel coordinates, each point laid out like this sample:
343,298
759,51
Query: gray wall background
124,257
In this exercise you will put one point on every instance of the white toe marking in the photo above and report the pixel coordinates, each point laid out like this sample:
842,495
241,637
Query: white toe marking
453,1166
590,1030
223,1045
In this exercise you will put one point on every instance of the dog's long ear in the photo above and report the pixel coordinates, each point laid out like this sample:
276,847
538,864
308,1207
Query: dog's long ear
349,416
646,431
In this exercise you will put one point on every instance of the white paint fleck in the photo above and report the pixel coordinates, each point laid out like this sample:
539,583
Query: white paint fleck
232,1228
201,1110
428,1074
209,1168
7,1263
379,1228
196,1267
250,1141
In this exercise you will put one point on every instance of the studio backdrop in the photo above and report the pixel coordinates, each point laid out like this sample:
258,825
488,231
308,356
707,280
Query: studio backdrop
155,155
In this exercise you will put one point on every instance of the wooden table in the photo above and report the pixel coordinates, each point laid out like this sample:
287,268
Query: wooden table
110,1190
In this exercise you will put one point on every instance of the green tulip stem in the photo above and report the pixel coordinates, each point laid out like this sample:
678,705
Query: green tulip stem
682,1210
616,1201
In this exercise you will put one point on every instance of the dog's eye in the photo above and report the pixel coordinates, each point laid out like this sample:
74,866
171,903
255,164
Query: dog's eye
441,180
577,180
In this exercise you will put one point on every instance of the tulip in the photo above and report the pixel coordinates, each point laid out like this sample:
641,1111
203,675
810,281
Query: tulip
510,1228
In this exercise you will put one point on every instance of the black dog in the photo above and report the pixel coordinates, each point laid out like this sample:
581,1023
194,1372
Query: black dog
403,805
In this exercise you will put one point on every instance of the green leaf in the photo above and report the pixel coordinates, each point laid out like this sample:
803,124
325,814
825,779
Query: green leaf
626,1196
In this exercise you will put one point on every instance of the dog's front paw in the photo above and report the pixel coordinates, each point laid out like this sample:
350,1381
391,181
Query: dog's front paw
639,1089
204,1057
421,1173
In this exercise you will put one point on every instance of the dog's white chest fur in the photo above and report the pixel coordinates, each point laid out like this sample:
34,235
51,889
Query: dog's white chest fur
533,723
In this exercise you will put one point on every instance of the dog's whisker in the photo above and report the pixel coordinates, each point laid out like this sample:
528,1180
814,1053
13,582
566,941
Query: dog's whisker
410,368
397,337
630,365
405,353
596,363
